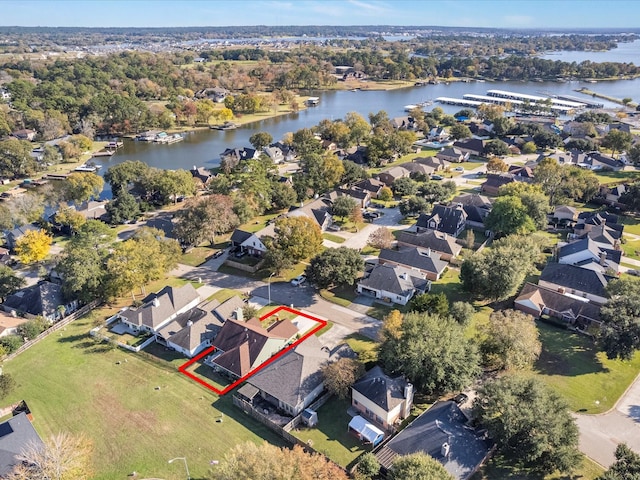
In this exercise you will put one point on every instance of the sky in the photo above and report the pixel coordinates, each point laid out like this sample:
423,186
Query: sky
183,13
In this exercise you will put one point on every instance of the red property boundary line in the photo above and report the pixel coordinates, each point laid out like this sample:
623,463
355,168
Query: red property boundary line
183,368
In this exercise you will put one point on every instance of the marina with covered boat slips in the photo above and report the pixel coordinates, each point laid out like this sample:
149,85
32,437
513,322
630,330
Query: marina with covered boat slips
514,101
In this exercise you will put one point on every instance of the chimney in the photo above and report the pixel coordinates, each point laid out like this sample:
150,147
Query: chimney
189,323
156,302
239,314
408,396
603,258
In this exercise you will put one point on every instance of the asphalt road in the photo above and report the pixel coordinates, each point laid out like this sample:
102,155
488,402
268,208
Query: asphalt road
283,293
601,434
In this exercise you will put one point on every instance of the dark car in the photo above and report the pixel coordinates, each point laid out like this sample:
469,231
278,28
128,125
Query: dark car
241,254
461,398
219,253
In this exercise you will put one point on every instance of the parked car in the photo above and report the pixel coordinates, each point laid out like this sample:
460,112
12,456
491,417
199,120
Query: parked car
437,177
299,280
241,254
461,398
219,253
458,169
371,215
635,273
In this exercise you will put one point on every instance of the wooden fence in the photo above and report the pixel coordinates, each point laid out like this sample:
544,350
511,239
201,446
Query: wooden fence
54,328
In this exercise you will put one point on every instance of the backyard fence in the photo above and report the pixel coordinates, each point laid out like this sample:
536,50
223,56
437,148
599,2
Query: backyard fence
247,408
54,328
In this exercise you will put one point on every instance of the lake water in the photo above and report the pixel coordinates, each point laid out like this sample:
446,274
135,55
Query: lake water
203,148
625,53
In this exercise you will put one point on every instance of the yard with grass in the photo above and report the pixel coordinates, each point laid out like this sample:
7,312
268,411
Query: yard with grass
331,436
572,366
342,295
333,238
197,256
136,408
498,468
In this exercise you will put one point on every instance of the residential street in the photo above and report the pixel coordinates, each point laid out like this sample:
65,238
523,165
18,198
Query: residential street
282,293
601,434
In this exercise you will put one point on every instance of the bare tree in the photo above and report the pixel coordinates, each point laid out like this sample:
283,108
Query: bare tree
61,457
381,238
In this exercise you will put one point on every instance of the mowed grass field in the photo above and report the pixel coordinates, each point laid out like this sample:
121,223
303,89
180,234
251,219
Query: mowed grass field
571,365
72,384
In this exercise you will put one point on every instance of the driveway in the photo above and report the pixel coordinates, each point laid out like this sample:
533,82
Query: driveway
601,434
283,293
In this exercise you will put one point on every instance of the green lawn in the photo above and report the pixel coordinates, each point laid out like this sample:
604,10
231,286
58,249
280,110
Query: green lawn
571,365
257,223
343,295
615,177
333,238
631,248
331,436
364,347
449,284
74,385
631,225
497,468
197,256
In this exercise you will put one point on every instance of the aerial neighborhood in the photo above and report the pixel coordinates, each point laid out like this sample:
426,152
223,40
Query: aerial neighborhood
195,279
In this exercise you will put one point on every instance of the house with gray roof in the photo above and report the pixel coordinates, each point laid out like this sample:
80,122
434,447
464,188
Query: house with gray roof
44,299
230,308
565,213
423,260
572,310
248,242
192,331
158,309
202,174
453,155
382,399
443,244
371,185
476,206
393,174
437,163
12,236
294,381
450,219
392,283
241,347
444,433
586,253
16,434
575,280
589,220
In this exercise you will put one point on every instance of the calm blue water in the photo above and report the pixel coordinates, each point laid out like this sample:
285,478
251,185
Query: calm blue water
625,53
203,148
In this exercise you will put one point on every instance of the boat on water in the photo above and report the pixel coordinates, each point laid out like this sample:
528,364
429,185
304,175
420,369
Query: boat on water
169,139
313,101
87,168
224,126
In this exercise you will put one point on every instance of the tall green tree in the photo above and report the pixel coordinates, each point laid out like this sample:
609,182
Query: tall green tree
617,141
9,282
510,340
343,206
82,186
626,466
296,237
335,266
619,335
432,352
260,140
508,216
529,422
418,466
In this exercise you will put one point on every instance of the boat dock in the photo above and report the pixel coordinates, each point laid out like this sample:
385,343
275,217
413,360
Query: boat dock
587,103
313,101
103,153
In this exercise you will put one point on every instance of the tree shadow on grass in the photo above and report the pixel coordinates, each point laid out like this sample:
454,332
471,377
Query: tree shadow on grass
566,353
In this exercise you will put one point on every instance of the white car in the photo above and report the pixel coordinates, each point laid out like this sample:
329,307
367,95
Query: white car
458,169
299,280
